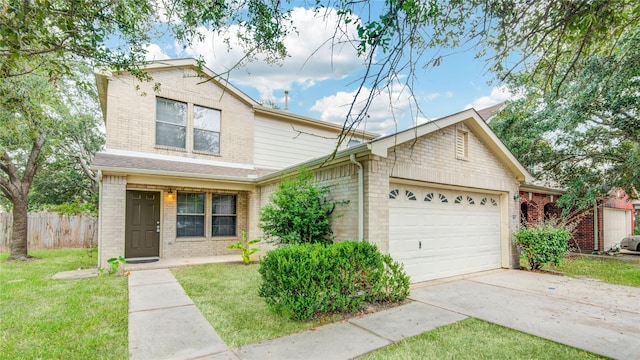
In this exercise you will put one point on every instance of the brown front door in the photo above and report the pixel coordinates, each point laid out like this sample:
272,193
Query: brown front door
142,230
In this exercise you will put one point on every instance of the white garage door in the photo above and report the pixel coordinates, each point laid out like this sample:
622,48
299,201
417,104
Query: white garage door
438,233
617,225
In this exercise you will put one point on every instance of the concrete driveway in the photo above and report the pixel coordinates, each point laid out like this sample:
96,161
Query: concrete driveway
587,314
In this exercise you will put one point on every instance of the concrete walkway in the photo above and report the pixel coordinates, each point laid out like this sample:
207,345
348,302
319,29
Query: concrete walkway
604,319
164,323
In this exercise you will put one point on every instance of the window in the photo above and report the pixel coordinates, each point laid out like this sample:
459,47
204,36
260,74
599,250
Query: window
409,195
190,220
462,144
394,193
223,219
206,129
171,123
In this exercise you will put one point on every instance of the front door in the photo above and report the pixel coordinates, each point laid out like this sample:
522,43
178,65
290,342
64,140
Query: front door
142,230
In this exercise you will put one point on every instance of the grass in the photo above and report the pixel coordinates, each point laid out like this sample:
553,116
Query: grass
227,295
42,318
608,269
477,339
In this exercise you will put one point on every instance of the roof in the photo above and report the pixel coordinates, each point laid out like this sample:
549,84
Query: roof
133,164
381,145
489,112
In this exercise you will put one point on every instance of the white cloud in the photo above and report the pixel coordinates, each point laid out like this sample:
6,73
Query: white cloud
384,113
498,95
154,52
312,57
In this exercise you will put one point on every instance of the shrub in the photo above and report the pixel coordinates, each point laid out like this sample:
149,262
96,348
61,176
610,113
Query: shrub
543,244
298,212
302,280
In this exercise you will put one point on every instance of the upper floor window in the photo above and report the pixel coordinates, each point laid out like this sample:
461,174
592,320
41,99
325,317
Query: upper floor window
206,129
171,123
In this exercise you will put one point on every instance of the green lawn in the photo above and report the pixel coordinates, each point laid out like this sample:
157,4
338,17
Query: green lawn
605,268
477,339
42,318
227,295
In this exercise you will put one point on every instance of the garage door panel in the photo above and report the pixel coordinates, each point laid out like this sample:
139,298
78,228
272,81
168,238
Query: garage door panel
459,236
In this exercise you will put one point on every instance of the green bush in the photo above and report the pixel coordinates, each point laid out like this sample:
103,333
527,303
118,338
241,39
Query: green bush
543,245
298,212
302,280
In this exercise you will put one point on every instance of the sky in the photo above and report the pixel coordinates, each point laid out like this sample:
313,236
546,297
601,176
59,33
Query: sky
322,79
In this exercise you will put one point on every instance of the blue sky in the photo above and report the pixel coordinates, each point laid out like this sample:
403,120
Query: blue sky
322,85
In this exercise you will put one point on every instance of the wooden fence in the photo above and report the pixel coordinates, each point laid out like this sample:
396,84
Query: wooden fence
52,231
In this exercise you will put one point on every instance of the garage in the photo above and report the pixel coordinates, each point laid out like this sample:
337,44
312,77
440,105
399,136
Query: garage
617,225
438,233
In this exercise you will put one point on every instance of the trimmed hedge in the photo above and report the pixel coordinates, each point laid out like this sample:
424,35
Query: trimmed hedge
302,280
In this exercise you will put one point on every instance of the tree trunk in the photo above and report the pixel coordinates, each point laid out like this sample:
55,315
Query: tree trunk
19,233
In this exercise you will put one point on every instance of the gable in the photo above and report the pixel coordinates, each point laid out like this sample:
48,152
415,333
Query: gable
436,157
443,134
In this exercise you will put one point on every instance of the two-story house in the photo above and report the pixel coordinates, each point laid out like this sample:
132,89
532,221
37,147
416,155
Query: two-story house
188,166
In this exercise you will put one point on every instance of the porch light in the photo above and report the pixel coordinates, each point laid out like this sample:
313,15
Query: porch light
170,194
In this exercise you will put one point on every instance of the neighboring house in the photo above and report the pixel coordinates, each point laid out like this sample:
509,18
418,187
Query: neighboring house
188,167
613,220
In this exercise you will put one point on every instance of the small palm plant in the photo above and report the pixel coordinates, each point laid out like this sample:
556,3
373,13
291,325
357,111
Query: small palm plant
247,250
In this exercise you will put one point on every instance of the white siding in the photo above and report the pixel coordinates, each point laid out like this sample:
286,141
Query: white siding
279,144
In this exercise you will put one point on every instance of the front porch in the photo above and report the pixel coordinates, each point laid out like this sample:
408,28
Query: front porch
167,263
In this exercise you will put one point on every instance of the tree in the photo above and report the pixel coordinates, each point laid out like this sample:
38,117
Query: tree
585,136
546,38
57,34
29,108
49,133
299,212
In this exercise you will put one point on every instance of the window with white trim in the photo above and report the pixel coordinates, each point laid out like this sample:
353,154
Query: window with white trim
206,129
223,215
171,123
190,214
462,144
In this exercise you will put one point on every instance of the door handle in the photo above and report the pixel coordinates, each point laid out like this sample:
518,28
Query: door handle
158,228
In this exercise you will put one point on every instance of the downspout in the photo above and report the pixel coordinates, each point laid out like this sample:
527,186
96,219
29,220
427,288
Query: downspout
100,206
352,157
595,226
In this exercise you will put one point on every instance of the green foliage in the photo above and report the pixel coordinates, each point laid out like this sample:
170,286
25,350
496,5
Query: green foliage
73,208
114,264
303,280
586,135
298,212
543,244
247,250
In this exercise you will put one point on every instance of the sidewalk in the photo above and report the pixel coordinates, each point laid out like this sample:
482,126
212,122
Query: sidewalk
164,323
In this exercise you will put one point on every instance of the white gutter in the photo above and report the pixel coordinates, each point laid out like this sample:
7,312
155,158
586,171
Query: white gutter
352,157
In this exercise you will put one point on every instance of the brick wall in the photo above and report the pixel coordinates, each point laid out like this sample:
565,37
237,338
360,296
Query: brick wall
130,116
111,218
584,234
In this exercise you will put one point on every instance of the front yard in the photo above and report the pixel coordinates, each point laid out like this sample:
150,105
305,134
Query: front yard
87,318
42,318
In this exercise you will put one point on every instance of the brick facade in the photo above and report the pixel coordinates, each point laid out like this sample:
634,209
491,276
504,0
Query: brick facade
536,206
